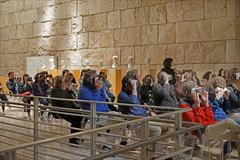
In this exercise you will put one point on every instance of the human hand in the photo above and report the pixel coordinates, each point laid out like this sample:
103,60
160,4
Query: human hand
133,83
204,98
196,99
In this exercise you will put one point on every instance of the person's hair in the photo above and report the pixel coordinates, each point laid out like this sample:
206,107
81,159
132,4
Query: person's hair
188,86
88,78
167,63
125,82
161,77
58,80
44,73
147,79
64,72
208,75
24,76
37,76
218,81
220,72
231,75
132,74
9,73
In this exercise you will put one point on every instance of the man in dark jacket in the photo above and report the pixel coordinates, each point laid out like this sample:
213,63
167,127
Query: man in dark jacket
168,63
163,92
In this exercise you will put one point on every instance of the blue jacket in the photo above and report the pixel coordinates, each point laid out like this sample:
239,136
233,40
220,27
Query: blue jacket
217,105
123,97
86,93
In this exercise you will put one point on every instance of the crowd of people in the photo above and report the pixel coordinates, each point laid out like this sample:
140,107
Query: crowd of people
213,101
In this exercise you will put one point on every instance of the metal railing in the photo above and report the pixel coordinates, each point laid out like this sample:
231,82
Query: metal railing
24,137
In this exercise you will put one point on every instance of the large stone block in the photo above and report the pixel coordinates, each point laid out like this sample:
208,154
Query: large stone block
82,7
141,16
76,24
175,51
215,8
95,22
24,31
149,34
12,32
4,20
120,4
155,2
60,11
158,14
233,8
6,47
60,27
107,38
66,42
20,46
203,68
225,28
20,5
205,52
113,21
125,53
20,32
134,3
155,52
11,60
15,18
175,12
43,14
167,33
194,31
193,9
94,40
127,18
83,40
233,51
40,3
72,59
28,5
44,29
100,6
127,37
29,16
214,52
4,33
93,55
110,53
70,9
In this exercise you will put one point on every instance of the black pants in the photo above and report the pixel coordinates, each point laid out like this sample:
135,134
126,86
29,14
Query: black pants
74,120
3,97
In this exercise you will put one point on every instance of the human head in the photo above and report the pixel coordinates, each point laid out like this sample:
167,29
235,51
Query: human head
11,75
133,75
215,84
59,83
168,62
126,84
68,84
148,80
162,77
187,89
25,78
39,77
221,72
103,76
89,78
64,72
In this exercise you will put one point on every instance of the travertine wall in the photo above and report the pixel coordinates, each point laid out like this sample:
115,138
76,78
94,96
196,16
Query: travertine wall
199,34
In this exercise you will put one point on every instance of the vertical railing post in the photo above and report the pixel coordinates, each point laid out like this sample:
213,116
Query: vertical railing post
144,137
35,127
10,155
93,116
178,138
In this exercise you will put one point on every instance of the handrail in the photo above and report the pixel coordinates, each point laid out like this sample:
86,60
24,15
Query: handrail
89,101
31,144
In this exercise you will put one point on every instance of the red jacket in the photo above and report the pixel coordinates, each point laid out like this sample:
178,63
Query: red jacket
203,115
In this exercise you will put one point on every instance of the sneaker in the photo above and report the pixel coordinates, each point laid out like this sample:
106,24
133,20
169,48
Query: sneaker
106,147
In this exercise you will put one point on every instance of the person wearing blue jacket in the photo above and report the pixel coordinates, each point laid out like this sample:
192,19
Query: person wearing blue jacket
218,100
91,90
129,95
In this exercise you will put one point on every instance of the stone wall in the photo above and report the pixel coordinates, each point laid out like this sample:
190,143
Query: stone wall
199,34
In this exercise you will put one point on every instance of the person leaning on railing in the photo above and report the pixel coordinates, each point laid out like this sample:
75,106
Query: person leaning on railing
201,112
3,97
59,91
129,95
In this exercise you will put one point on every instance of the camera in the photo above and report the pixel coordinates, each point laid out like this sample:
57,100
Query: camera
197,89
